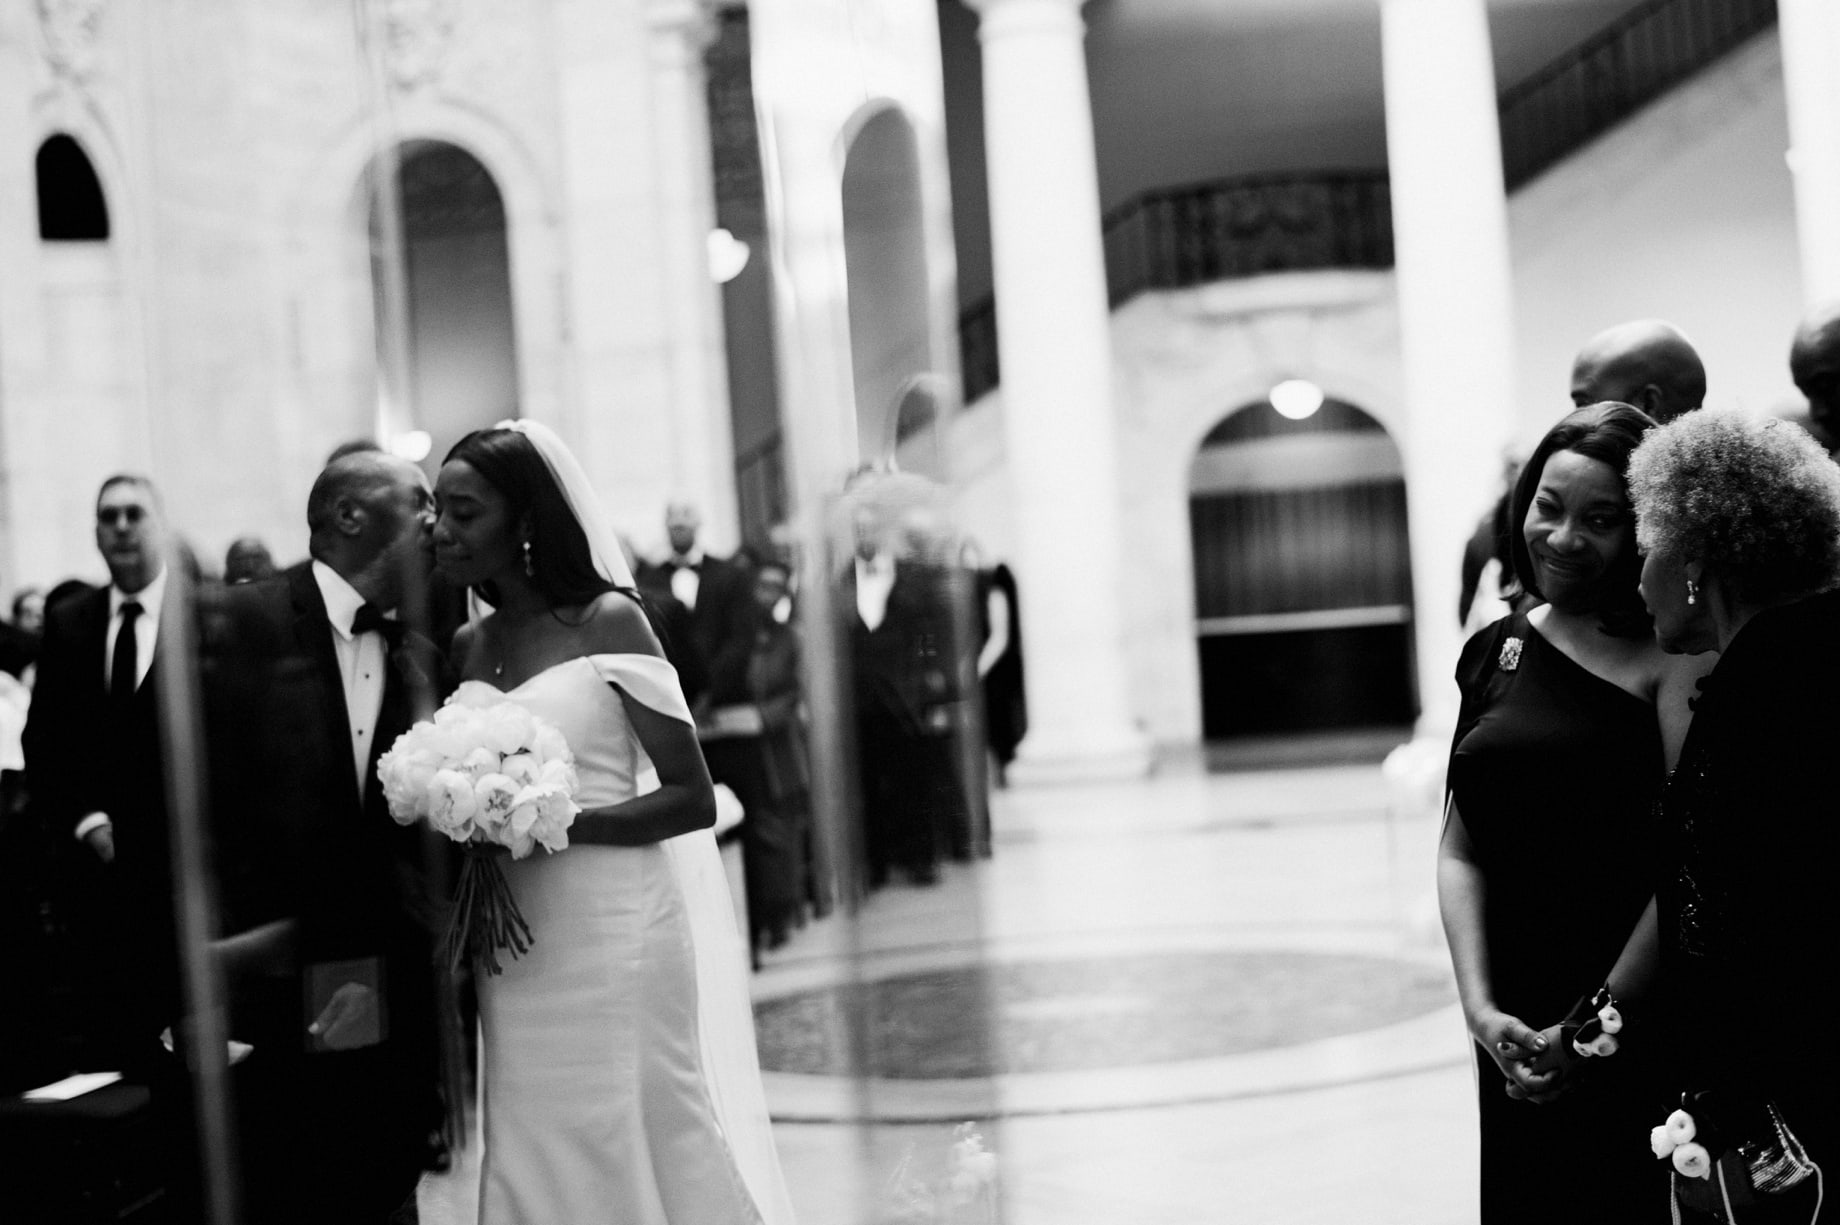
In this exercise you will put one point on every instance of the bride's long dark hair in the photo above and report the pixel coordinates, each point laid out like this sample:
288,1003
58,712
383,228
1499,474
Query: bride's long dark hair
561,563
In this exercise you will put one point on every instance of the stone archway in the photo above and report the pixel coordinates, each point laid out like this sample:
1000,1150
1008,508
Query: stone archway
884,245
446,339
1303,593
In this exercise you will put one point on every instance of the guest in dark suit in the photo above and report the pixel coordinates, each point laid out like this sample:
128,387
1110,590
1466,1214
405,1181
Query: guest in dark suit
20,637
247,560
904,677
94,703
715,593
1814,364
754,740
312,674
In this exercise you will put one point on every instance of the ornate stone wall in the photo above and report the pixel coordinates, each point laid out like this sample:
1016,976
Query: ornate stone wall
225,340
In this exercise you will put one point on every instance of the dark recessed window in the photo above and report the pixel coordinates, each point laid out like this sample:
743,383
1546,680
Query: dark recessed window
70,204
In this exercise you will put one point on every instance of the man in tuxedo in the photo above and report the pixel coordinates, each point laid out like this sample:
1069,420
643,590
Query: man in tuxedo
93,763
311,675
904,680
1647,363
715,593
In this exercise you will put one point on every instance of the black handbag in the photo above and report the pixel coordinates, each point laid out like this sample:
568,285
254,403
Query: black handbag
1762,1178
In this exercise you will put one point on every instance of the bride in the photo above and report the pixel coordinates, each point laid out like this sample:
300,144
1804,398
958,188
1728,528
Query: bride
620,1076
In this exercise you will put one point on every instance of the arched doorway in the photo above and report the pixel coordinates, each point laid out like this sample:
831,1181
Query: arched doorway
884,251
441,281
1302,574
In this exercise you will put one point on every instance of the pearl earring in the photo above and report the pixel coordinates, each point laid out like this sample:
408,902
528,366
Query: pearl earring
1692,592
530,571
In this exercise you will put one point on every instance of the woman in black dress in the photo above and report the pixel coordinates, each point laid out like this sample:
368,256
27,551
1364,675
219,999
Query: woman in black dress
999,666
1545,862
1740,524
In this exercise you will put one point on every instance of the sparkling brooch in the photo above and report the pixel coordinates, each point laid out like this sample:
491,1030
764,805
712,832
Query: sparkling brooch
1510,655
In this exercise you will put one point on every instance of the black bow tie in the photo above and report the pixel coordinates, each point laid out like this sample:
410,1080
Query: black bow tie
370,618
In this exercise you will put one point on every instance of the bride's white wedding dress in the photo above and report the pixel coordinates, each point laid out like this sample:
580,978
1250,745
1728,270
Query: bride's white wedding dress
605,1098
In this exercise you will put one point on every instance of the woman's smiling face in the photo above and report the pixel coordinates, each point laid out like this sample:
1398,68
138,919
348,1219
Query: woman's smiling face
1578,525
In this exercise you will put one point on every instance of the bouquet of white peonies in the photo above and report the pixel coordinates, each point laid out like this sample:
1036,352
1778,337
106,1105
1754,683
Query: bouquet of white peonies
493,777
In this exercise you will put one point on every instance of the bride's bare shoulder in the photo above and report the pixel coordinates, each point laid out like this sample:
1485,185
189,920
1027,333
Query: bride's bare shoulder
617,625
460,651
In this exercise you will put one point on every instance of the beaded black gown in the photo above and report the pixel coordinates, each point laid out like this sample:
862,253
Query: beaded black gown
1750,860
1555,772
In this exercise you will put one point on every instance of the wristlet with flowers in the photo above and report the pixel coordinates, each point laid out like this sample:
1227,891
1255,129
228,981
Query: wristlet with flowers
1593,1025
492,777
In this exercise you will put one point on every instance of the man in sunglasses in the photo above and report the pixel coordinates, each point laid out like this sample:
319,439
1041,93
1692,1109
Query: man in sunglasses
93,767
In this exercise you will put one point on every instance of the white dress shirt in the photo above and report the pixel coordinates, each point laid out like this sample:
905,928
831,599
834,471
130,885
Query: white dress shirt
685,581
146,629
362,659
874,580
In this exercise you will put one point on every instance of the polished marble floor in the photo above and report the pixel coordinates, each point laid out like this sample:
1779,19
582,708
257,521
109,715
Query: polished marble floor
1202,998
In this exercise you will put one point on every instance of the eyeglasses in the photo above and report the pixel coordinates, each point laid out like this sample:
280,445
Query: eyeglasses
109,516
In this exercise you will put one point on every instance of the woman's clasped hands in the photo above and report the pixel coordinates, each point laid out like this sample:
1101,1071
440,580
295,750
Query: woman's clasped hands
1534,1063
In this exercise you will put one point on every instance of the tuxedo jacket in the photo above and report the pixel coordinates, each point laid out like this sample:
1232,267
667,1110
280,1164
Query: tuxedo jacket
298,839
904,668
721,626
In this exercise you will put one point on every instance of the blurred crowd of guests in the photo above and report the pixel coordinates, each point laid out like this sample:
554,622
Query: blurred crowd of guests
927,636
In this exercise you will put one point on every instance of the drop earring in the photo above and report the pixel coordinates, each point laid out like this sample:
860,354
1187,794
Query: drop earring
530,571
1692,592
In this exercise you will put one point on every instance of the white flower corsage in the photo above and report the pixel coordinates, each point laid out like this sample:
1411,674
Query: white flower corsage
1674,1141
1595,1036
1693,1160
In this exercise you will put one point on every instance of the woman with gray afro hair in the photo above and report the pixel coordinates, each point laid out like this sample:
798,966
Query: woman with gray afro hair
1739,518
1742,512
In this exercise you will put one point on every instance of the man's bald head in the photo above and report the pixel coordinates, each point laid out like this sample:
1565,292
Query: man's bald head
1647,363
1814,364
368,517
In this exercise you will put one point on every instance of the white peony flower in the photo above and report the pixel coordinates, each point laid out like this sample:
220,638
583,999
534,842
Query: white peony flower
451,804
1660,1141
1603,1044
558,775
1693,1160
449,741
521,768
1612,1019
496,794
405,773
480,762
554,814
521,844
507,728
1681,1129
549,744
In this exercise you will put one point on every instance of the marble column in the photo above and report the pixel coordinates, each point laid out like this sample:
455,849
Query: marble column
1810,49
1450,235
680,31
1054,343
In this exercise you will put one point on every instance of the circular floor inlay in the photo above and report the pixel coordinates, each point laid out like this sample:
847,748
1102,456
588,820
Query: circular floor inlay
1061,1016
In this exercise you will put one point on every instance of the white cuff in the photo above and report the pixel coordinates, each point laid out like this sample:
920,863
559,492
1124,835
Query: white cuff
95,820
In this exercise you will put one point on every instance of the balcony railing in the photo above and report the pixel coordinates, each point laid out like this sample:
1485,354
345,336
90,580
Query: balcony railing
1206,232
1174,238
1177,237
1615,72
